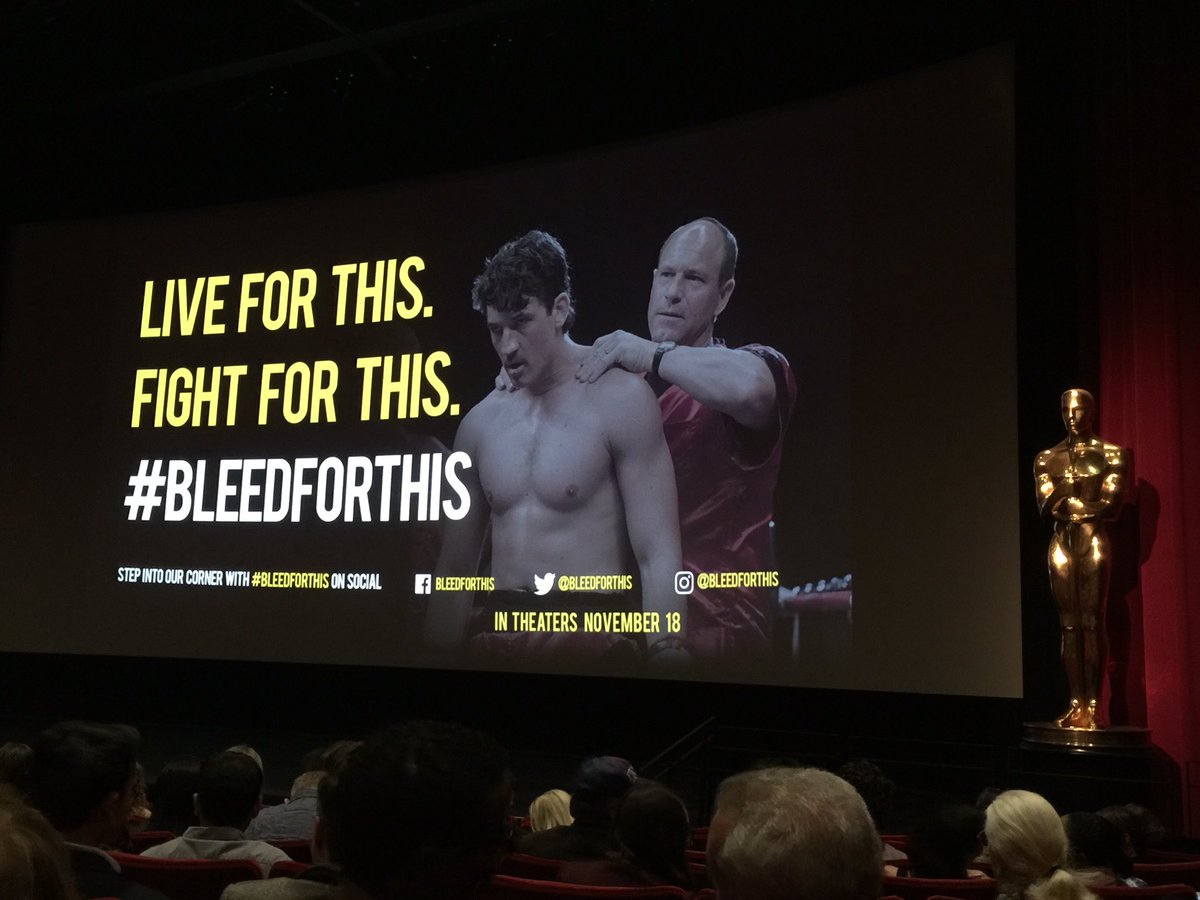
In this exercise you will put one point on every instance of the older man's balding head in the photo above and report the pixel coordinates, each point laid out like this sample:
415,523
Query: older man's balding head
793,834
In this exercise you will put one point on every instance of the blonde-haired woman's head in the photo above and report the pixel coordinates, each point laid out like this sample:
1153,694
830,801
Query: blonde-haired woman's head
550,810
1025,838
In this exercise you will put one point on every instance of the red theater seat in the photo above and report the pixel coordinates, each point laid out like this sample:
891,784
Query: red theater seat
525,865
286,868
1177,872
141,840
507,887
1167,856
299,849
924,888
188,879
1144,893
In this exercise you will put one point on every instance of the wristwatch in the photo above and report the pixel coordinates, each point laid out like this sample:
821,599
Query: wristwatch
663,348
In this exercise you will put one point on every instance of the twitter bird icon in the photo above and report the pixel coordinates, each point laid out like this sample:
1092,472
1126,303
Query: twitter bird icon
542,584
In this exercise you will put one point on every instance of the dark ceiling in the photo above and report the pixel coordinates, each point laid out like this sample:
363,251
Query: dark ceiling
136,104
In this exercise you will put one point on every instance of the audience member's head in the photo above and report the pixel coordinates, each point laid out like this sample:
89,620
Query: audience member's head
550,810
172,795
83,779
652,831
15,758
419,811
229,791
305,782
33,860
943,844
1027,845
598,787
793,834
1141,826
333,758
1093,842
877,790
986,796
249,751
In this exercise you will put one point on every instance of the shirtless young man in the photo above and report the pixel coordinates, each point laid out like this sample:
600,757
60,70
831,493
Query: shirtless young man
574,479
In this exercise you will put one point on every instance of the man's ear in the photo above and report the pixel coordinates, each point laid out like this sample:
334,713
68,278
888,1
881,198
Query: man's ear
560,309
726,293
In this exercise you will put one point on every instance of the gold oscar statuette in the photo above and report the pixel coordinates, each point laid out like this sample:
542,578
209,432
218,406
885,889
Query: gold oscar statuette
1079,484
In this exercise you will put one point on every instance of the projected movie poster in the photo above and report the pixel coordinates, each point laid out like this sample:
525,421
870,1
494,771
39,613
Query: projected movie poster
332,429
546,528
588,415
509,439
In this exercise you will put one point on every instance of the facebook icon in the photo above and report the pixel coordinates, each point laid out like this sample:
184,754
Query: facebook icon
424,584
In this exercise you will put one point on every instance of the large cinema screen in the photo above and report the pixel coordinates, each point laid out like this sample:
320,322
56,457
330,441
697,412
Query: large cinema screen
274,431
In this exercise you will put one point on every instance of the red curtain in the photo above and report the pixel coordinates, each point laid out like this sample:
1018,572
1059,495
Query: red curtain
1144,96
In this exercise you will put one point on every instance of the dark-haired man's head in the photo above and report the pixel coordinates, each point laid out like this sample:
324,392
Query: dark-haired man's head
333,758
230,790
172,795
419,811
653,830
1093,842
524,293
82,777
877,790
531,267
1142,828
944,843
598,787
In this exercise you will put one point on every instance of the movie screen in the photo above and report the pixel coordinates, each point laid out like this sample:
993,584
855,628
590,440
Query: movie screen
714,405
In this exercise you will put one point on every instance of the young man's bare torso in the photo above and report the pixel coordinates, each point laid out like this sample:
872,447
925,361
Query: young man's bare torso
547,468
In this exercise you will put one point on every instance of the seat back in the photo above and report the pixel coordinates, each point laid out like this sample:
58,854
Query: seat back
188,879
286,868
1152,892
924,888
141,840
508,887
1183,871
299,849
526,865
